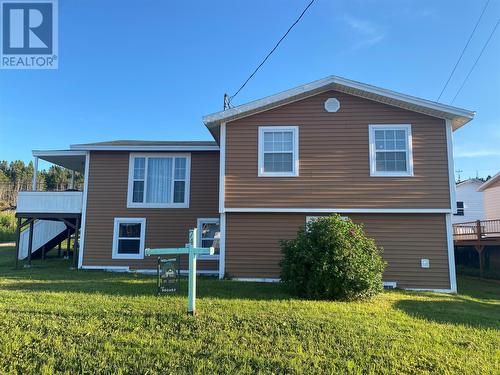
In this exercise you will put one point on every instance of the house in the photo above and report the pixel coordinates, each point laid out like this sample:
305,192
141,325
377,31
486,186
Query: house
381,158
470,205
491,191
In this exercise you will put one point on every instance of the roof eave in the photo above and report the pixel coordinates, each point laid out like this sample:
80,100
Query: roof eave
458,116
491,181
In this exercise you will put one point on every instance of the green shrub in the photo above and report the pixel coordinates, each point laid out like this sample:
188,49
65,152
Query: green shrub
7,226
331,258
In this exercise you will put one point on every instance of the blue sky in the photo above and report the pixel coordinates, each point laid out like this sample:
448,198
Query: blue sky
151,69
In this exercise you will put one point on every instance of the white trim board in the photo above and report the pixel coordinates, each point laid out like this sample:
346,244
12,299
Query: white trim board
451,168
144,148
107,268
459,116
345,210
222,247
41,153
83,222
256,279
222,166
451,254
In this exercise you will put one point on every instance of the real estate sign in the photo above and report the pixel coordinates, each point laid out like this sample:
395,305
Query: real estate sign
168,275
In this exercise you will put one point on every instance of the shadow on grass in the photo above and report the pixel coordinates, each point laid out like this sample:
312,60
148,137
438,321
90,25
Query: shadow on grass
454,310
141,285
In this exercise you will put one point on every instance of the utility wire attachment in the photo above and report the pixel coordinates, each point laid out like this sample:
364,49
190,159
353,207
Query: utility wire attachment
271,52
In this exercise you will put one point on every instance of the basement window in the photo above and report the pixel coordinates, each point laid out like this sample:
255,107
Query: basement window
158,181
278,151
390,150
209,236
128,238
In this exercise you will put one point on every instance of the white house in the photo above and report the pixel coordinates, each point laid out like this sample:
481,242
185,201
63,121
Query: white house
491,191
470,201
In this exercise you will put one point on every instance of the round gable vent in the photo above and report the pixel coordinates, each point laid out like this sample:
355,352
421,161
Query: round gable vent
332,105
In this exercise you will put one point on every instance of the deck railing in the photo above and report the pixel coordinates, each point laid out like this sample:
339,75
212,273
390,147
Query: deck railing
476,230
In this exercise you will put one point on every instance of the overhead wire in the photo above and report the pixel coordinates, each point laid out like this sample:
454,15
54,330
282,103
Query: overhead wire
463,51
271,52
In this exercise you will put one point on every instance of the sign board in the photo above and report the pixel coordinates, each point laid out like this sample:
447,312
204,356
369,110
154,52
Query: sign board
168,275
193,251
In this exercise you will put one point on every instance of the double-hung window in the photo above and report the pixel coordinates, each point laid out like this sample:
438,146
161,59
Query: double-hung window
159,180
278,151
128,238
208,234
390,150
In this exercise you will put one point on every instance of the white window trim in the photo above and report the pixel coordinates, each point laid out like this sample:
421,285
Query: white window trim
200,222
116,232
409,153
130,191
260,170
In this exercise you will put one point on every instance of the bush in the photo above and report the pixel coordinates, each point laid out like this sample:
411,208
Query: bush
331,258
7,226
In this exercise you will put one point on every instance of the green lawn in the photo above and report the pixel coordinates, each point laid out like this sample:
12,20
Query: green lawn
54,320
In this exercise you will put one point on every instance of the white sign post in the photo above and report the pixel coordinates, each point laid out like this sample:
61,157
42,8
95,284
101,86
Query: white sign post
192,250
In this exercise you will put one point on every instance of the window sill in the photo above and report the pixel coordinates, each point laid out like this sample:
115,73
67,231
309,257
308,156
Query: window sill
269,174
381,174
158,205
127,256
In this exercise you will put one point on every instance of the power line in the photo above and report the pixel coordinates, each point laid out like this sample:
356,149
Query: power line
475,62
228,101
463,51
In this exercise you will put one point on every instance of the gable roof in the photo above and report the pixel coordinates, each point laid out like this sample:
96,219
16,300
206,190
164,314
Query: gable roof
469,181
132,145
458,116
490,182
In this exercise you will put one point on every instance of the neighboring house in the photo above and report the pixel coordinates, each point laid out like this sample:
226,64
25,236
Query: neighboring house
491,190
381,158
470,205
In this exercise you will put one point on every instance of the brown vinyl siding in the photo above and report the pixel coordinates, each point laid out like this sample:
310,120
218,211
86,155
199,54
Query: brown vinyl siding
252,245
334,169
165,227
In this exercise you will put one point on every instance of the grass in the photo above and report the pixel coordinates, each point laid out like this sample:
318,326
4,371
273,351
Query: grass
7,226
55,320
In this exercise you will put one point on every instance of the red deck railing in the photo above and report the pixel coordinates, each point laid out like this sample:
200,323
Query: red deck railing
476,230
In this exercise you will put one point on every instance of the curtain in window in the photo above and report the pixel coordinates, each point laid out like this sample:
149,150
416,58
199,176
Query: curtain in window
159,181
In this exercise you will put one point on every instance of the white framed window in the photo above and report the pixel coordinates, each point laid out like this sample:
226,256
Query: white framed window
208,233
128,238
278,151
159,180
391,152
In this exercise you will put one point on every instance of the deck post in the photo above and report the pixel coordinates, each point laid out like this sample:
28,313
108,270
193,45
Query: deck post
30,242
18,239
59,250
193,243
75,244
43,253
68,245
480,252
35,173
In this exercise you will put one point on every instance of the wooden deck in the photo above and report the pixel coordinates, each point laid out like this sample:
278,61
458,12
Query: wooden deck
478,234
